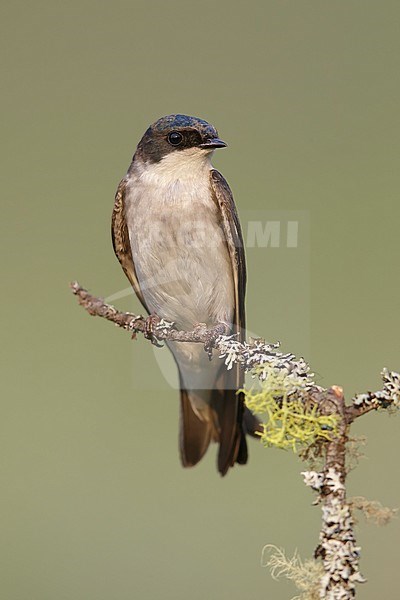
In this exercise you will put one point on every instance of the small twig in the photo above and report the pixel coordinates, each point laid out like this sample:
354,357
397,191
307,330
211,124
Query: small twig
134,323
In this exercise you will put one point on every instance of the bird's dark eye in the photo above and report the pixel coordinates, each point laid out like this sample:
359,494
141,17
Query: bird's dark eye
175,138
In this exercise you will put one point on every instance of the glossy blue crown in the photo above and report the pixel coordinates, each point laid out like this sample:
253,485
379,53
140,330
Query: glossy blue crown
171,122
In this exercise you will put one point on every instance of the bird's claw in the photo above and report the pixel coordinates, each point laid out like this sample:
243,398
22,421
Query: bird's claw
211,337
150,325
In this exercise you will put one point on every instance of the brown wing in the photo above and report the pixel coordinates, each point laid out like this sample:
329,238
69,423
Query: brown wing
121,242
233,235
230,406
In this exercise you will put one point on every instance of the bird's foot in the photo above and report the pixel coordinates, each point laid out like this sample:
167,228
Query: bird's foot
212,335
150,325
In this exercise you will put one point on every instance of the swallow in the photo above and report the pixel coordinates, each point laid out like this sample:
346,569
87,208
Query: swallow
177,236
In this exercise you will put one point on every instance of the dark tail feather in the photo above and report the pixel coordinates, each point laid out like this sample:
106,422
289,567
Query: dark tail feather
227,421
195,435
232,441
251,425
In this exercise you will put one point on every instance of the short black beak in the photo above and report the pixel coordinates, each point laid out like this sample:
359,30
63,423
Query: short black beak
213,143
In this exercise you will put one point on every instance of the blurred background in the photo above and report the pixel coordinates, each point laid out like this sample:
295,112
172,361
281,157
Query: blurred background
94,502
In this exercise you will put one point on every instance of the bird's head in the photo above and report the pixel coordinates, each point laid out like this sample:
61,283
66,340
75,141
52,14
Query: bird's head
180,135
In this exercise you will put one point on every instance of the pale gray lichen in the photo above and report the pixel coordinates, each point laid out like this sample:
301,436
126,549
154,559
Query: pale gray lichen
388,397
313,479
338,549
131,325
333,480
164,326
258,353
305,575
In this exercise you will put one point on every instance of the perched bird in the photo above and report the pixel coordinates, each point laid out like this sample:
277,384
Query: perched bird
176,233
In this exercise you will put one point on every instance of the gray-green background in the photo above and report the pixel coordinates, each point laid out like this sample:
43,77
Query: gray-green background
94,503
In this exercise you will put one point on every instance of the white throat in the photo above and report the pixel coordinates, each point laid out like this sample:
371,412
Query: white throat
189,164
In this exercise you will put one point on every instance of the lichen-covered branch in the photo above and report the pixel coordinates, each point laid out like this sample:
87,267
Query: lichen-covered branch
250,355
337,547
298,416
296,412
387,398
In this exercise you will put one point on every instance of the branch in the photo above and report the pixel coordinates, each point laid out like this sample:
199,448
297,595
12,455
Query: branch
164,330
388,398
337,547
250,355
299,411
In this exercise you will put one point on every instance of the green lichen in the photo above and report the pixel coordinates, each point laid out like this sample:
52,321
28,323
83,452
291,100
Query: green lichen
289,419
